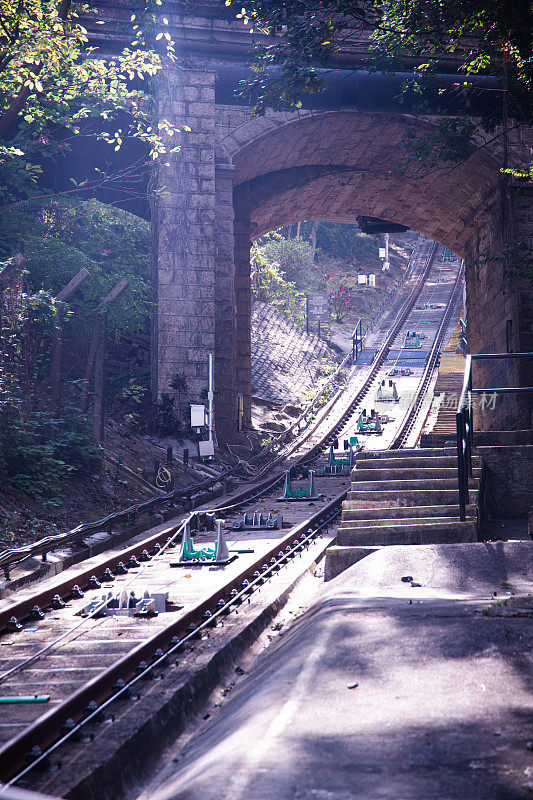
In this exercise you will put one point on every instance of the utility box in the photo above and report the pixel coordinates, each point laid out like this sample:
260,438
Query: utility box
206,449
198,416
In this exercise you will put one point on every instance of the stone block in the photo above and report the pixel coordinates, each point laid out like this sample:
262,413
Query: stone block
195,355
207,94
178,109
196,78
207,278
509,478
191,93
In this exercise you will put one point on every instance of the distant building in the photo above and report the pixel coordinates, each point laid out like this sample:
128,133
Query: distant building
362,279
372,279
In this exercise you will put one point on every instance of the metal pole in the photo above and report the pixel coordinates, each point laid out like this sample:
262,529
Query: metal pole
471,419
464,449
210,395
307,313
468,448
460,466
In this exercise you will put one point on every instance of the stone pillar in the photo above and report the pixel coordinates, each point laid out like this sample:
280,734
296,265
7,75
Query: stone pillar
499,312
523,334
183,221
243,311
225,348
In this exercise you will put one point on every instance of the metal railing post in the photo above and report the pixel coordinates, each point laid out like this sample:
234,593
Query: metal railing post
467,424
470,430
460,466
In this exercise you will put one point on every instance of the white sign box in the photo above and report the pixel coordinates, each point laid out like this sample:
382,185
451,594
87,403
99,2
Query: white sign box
197,416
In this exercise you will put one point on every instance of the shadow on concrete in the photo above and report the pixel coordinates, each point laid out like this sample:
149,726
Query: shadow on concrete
389,701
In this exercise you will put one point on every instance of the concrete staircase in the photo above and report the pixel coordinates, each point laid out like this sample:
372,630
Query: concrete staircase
403,497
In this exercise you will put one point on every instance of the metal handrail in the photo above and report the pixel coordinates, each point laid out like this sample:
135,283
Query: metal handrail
465,421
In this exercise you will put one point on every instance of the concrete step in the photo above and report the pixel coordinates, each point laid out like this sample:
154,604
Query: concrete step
385,498
432,462
436,438
350,511
422,484
417,452
425,533
357,524
412,474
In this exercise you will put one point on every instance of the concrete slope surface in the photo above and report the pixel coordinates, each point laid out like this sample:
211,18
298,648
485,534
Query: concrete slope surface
384,690
287,362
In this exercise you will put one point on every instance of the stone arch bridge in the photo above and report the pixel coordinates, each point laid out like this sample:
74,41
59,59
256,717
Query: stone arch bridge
237,177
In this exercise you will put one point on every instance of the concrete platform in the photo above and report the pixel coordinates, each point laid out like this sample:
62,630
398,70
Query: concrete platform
384,691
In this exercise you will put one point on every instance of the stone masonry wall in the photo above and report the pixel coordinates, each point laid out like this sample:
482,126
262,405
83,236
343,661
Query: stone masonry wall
236,176
184,246
497,316
508,480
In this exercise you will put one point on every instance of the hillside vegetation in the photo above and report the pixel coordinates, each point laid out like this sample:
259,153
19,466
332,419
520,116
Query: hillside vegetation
45,436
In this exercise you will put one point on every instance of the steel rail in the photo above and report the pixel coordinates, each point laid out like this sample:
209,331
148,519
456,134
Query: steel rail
381,356
102,688
13,556
377,364
282,437
44,597
45,730
412,414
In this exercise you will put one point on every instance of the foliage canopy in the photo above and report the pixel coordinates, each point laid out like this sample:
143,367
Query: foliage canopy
54,87
486,37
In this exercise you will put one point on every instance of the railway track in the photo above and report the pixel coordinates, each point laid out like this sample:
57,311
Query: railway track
85,664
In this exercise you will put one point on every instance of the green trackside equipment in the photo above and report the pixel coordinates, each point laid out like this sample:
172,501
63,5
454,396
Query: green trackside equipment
411,341
369,423
333,461
335,465
387,394
21,698
219,554
310,493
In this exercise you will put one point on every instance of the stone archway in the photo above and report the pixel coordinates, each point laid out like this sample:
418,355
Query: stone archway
238,177
308,169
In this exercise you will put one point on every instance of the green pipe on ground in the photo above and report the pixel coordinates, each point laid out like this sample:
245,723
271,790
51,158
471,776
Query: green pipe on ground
31,698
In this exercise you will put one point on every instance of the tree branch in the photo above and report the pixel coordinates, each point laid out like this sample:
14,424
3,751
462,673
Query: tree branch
8,119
